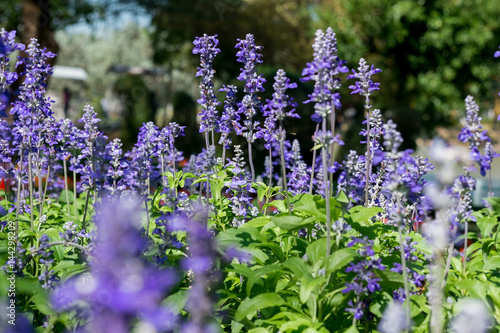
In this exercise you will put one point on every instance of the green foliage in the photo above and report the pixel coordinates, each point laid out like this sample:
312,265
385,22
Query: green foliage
432,53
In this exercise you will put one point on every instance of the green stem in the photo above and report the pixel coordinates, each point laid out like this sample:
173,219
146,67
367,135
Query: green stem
283,171
30,182
403,264
74,194
327,196
65,167
313,164
368,151
250,160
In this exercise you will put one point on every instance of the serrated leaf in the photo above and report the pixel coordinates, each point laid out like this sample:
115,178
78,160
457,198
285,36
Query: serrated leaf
262,301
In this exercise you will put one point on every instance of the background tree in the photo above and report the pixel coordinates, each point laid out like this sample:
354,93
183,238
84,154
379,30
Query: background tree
433,53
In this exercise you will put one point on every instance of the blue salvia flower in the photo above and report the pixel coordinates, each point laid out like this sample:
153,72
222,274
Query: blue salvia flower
473,134
239,188
166,151
123,289
201,263
88,137
142,158
275,110
46,277
32,106
365,282
206,47
351,179
7,46
417,280
364,84
117,167
249,55
299,179
376,131
230,118
324,70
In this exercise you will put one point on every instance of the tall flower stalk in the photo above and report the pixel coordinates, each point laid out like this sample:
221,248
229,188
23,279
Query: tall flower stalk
206,47
275,113
32,107
324,71
249,55
364,86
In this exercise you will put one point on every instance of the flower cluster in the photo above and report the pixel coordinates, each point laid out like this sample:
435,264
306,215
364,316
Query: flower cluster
206,47
325,70
250,105
365,282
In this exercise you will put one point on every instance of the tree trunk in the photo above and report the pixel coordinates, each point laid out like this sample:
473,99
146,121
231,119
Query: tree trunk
36,23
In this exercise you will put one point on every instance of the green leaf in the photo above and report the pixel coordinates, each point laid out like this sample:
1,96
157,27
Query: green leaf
258,330
259,274
340,258
316,250
362,214
262,301
486,224
63,265
288,223
176,302
278,204
296,325
297,266
308,204
62,197
474,288
257,222
495,203
342,198
352,329
307,285
72,271
42,304
492,264
236,327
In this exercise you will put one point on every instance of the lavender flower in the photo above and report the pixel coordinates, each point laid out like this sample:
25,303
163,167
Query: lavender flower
206,47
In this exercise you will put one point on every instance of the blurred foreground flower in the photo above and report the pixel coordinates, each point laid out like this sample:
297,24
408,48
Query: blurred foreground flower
121,289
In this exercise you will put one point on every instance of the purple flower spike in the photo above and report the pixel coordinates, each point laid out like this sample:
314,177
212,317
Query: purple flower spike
249,55
206,47
324,70
365,85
